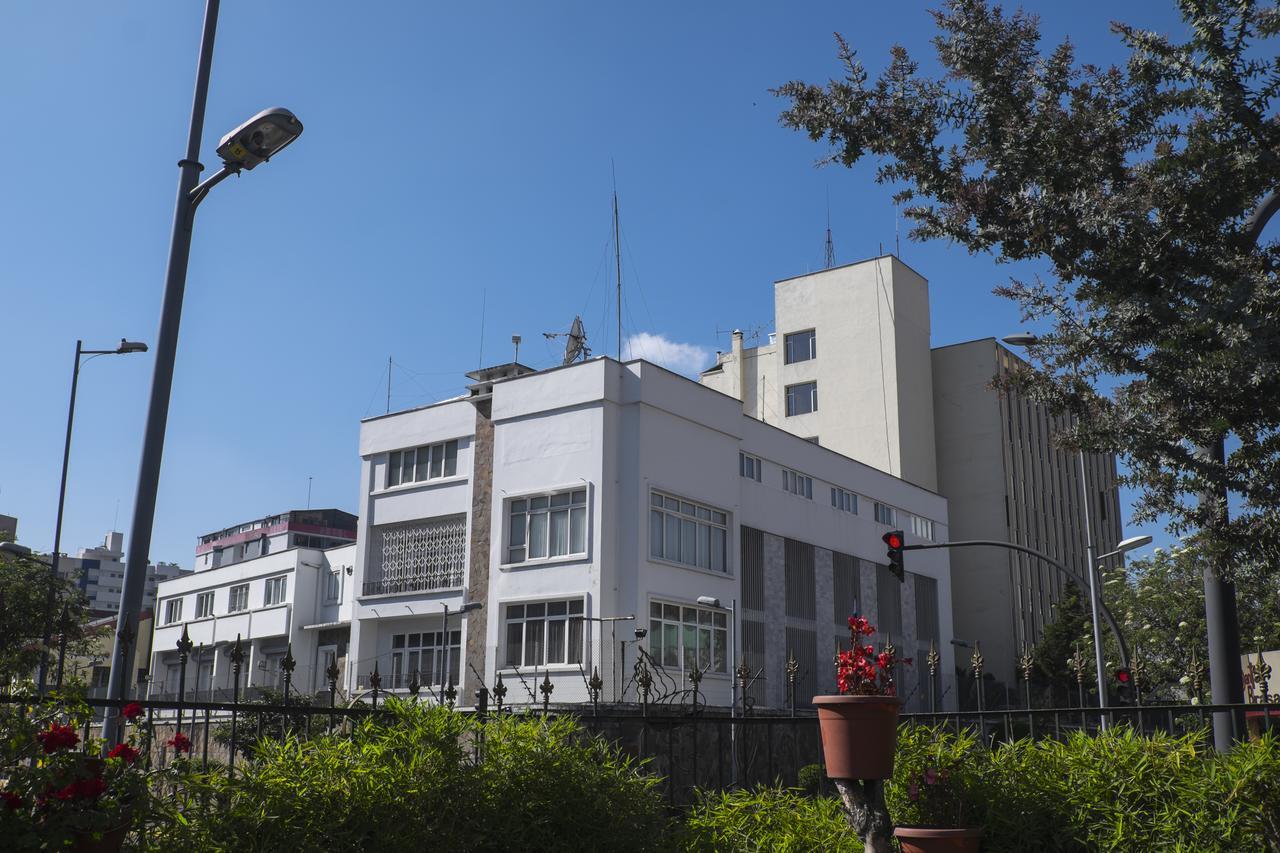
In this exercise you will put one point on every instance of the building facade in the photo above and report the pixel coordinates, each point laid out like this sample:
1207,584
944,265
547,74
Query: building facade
299,528
290,601
1005,479
850,367
601,511
99,572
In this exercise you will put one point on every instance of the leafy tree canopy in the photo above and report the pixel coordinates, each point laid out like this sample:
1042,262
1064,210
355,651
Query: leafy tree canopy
24,593
1134,186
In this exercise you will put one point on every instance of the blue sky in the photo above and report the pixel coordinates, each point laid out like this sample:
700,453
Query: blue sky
455,155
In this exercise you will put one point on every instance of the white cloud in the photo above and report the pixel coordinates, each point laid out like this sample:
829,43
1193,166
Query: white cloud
688,359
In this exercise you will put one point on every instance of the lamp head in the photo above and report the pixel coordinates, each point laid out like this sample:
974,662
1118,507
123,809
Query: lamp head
260,138
708,601
469,606
641,633
130,346
1133,542
1022,339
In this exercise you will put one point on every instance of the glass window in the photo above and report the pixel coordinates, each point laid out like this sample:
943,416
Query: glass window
802,399
749,466
886,514
685,532
204,605
173,611
844,500
429,462
797,483
547,526
544,633
689,637
421,658
800,346
333,586
276,589
238,598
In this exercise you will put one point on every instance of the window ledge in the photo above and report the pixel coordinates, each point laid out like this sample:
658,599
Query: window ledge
421,484
551,561
446,590
712,572
552,669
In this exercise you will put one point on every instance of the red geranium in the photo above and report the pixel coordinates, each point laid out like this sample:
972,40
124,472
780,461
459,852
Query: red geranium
132,711
860,671
82,789
12,800
124,751
181,743
58,737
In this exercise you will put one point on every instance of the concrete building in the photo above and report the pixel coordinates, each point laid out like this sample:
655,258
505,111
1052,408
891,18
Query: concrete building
581,503
8,528
299,528
298,598
850,367
99,572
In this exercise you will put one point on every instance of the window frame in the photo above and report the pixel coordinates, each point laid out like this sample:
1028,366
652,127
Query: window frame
173,610
573,633
574,511
673,520
750,467
421,470
800,485
280,583
333,587
787,355
240,590
888,517
716,625
838,501
790,398
204,604
405,653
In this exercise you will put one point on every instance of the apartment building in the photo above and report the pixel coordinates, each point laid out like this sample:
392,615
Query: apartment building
99,572
299,528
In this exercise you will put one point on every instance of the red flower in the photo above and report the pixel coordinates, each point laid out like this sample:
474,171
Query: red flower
58,737
181,743
132,711
12,800
931,776
124,751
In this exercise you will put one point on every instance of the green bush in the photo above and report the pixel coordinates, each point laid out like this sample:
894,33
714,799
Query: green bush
1115,791
409,782
778,820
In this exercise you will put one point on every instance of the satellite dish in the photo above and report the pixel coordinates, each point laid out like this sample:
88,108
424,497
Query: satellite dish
575,346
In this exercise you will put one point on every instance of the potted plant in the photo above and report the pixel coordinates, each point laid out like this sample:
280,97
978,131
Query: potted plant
55,795
935,794
860,725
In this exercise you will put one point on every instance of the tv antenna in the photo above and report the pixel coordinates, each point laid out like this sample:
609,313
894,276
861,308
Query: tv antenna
831,248
751,333
515,341
575,347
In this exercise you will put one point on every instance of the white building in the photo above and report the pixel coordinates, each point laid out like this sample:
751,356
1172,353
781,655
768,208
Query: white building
300,596
99,572
299,528
850,367
565,499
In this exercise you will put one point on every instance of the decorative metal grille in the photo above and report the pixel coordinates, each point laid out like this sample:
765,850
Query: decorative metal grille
419,556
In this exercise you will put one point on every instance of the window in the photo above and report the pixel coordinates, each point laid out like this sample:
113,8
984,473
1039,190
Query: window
173,611
333,586
922,527
886,514
688,533
797,483
688,637
422,657
547,526
544,633
800,346
238,599
424,555
802,399
749,466
844,500
429,462
275,591
204,605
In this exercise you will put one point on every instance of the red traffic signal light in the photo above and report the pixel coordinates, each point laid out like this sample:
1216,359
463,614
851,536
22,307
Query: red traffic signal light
1123,676
895,542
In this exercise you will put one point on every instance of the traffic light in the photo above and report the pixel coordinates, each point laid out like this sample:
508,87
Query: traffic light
1124,685
895,542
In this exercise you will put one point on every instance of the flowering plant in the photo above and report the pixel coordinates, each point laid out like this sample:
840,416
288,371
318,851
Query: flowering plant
58,790
936,780
860,670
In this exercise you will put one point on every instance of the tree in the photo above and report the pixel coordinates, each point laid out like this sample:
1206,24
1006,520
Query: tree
1069,630
24,595
1133,186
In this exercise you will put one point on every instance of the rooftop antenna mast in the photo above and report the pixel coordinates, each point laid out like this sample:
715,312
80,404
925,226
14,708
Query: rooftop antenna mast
831,249
617,256
576,346
515,340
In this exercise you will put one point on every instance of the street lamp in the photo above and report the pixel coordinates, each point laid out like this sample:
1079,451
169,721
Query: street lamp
1130,544
712,601
1026,339
125,348
467,607
252,143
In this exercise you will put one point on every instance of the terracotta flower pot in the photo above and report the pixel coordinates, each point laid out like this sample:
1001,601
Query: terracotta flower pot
928,839
110,842
859,735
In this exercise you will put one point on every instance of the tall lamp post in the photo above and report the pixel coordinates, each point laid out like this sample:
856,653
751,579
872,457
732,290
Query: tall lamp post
125,348
712,601
254,142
